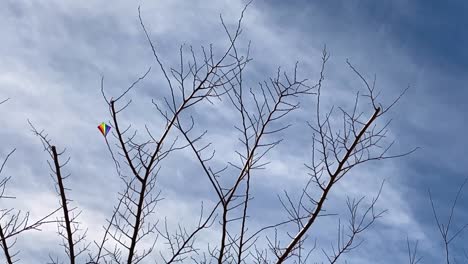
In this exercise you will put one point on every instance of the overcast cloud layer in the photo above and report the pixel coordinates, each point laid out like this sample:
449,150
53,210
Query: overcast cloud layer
54,53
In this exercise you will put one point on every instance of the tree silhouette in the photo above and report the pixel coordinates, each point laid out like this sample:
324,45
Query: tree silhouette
262,114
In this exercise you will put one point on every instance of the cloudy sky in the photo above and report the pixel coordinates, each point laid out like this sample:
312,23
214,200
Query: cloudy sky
54,53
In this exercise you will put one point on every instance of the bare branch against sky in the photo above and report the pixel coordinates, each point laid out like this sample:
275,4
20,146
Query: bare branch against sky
214,157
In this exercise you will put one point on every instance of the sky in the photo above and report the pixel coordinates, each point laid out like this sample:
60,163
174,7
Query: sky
54,54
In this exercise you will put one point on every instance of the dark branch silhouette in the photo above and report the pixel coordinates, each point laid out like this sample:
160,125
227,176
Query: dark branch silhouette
444,229
68,227
14,222
136,225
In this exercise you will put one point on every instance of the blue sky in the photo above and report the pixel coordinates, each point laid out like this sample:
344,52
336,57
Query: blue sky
55,52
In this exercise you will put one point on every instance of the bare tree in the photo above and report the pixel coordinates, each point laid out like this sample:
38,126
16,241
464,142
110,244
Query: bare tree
68,226
449,230
262,114
413,253
448,235
12,221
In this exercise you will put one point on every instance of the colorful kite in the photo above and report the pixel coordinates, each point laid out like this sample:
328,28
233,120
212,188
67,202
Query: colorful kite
104,128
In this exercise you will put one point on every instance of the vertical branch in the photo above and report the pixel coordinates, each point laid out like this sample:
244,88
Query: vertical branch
268,112
5,247
444,229
412,253
64,202
69,224
15,222
218,73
